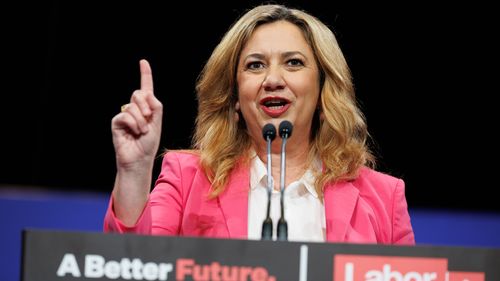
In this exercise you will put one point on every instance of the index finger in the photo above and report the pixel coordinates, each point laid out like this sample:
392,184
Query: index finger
146,75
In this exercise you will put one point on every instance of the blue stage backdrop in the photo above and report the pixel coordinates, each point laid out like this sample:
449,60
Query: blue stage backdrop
22,208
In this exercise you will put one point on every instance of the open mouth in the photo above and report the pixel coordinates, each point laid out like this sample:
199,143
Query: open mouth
274,106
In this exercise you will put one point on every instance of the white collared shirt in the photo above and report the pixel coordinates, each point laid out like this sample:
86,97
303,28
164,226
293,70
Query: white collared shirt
304,211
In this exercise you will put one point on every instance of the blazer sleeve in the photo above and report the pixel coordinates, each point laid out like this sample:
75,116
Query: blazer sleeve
402,232
163,211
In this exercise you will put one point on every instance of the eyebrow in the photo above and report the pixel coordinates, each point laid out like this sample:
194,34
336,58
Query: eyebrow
283,55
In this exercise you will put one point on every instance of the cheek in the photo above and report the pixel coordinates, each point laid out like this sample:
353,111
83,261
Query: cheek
245,100
248,108
248,90
313,84
307,90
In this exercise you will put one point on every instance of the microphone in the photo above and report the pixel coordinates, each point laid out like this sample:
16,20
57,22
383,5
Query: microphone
285,131
269,134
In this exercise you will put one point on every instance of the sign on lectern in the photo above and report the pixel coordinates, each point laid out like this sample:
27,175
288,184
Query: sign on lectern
60,255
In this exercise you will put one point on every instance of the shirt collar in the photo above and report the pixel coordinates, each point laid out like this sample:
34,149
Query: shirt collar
258,175
258,172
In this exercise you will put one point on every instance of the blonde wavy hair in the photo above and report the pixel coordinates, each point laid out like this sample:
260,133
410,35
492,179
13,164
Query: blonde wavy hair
339,137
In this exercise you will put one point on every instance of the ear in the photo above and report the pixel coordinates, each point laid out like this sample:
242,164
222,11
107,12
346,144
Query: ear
237,106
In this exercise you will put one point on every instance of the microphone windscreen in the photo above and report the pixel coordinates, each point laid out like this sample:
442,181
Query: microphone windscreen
285,129
269,131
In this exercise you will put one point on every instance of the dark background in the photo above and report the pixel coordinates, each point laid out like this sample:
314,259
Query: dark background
424,77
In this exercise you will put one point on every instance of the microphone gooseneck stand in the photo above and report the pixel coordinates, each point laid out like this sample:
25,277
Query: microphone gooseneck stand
269,134
285,131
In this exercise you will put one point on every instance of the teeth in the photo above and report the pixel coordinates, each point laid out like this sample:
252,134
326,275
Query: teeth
275,103
276,107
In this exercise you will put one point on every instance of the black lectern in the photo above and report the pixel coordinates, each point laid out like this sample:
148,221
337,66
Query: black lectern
63,255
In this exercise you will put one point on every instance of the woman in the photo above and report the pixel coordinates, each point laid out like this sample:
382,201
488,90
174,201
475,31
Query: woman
274,64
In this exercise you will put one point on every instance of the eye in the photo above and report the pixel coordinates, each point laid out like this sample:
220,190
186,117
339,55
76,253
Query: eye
254,65
295,62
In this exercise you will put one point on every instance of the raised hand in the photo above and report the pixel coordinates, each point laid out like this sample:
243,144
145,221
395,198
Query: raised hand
137,128
136,137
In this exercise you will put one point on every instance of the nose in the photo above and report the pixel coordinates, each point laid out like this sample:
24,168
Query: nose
273,80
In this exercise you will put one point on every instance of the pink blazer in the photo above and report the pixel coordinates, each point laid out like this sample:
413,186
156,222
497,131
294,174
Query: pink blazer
370,209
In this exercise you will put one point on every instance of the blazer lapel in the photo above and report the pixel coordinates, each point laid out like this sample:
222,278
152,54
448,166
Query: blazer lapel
234,202
340,201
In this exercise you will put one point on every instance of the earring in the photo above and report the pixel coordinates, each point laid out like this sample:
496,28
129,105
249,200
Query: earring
320,113
237,111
